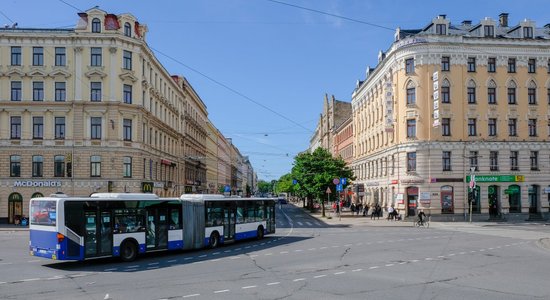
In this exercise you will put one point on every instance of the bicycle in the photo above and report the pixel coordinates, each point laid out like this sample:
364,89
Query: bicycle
424,223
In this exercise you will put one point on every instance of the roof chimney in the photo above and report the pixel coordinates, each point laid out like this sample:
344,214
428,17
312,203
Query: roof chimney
467,22
503,19
441,16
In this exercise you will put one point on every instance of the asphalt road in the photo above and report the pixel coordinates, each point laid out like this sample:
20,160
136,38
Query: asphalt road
306,259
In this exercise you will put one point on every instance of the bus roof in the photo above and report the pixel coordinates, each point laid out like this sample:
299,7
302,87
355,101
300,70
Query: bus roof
126,196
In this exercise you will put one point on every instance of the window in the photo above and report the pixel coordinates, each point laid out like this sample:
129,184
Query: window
472,127
38,91
16,93
445,63
95,91
511,65
127,166
127,29
471,64
528,32
441,29
95,126
96,25
59,128
489,31
514,160
548,95
15,123
446,126
60,92
445,92
411,96
446,160
492,65
59,166
471,95
411,128
492,124
37,166
409,65
38,127
95,56
127,129
532,65
16,56
534,159
532,125
493,161
15,166
492,95
411,161
95,166
473,160
60,58
512,127
127,60
37,56
512,95
127,94
532,95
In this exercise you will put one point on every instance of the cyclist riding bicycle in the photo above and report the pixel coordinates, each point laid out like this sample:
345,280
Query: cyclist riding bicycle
421,217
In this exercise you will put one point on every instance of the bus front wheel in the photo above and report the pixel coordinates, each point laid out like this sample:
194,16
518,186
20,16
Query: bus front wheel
128,251
214,240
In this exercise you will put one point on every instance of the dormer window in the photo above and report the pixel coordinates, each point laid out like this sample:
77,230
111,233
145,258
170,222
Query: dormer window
441,29
127,29
528,32
96,25
489,30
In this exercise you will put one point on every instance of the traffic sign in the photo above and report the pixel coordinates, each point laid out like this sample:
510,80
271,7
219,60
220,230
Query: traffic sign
343,180
336,181
328,190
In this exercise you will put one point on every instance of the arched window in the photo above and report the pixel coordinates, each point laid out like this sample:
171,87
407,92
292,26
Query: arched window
471,92
512,92
96,25
411,93
492,92
532,93
445,91
127,29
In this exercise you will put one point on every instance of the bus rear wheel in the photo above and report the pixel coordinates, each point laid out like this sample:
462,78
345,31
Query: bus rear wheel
214,240
128,251
260,232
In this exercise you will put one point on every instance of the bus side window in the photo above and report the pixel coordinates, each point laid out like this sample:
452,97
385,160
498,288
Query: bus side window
175,219
240,217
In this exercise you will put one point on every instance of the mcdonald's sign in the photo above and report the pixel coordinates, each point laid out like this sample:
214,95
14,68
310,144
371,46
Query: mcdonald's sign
147,187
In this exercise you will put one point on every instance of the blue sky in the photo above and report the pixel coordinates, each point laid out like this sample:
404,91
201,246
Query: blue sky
263,68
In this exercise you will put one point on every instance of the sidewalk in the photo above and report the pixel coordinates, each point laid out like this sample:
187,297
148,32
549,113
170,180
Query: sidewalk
347,219
12,227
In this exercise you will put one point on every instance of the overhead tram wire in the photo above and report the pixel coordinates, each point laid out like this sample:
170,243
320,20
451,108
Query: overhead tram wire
231,89
366,23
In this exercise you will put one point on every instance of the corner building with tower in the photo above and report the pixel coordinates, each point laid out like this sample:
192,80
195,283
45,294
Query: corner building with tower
457,114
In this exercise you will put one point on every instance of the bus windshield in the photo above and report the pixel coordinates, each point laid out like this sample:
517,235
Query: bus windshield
43,212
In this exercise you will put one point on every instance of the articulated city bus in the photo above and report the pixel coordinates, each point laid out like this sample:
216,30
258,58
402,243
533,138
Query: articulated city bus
127,224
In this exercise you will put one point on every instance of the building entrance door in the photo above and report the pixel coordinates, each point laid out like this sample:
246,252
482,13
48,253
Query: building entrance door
15,207
412,199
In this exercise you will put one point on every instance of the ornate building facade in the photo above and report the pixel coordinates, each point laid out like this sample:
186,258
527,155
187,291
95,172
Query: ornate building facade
457,112
91,109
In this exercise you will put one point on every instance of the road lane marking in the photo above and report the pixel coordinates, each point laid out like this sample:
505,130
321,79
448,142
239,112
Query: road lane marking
273,283
221,291
319,276
340,273
192,295
298,279
249,287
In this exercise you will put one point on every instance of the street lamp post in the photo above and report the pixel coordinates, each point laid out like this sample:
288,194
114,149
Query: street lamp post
473,188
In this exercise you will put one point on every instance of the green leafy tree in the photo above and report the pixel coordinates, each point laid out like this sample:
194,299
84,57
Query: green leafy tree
315,172
264,187
284,184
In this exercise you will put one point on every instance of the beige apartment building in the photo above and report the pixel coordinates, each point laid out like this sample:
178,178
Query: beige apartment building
451,102
91,109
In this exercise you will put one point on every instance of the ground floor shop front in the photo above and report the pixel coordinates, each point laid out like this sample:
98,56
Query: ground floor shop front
495,196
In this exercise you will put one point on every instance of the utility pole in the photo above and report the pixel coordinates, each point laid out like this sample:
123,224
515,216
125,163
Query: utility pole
473,188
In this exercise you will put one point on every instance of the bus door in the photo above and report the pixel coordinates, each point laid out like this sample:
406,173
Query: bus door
105,233
270,218
157,228
90,233
229,222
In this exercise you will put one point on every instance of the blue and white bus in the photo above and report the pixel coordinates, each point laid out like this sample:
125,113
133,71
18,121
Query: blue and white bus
128,224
